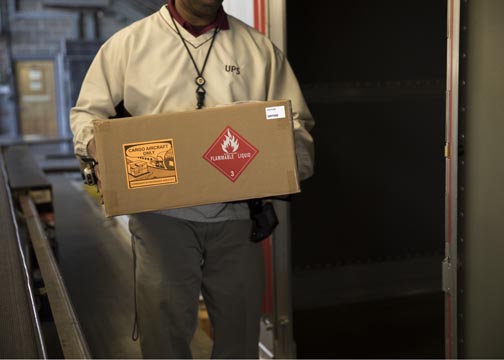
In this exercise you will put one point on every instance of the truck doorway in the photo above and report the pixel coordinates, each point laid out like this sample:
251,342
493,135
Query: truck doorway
368,227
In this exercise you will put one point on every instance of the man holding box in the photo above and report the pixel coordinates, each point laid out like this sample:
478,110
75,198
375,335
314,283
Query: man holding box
191,54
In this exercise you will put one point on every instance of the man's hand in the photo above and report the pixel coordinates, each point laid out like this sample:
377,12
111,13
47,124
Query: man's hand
91,149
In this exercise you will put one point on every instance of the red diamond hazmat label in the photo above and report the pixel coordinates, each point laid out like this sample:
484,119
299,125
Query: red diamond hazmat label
230,153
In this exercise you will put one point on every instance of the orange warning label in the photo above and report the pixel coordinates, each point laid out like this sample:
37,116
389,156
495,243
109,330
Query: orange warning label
150,163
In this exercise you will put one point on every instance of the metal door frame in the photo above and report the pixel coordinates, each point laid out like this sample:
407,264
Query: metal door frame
274,23
450,262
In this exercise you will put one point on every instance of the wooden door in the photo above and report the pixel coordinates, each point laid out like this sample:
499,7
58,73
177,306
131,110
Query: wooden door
37,97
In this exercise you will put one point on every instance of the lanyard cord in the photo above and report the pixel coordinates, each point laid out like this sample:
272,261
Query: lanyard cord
200,80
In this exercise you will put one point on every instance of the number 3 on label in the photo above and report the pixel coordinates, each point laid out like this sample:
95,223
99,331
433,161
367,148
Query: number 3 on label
232,173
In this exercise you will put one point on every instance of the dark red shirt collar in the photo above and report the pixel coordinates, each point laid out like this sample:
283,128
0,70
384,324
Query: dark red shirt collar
221,21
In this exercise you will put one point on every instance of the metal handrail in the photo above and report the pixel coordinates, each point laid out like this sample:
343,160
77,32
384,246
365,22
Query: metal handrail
73,343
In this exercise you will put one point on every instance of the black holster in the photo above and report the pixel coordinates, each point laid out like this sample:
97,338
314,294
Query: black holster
263,217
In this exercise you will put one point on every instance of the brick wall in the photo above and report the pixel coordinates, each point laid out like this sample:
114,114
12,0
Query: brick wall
41,35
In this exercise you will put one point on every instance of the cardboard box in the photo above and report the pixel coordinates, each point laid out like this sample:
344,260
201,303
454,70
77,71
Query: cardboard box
198,157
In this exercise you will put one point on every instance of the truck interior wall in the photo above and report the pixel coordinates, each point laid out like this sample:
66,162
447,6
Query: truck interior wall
481,193
374,76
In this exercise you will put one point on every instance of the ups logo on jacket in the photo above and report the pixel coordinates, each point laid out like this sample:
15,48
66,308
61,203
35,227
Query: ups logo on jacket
232,69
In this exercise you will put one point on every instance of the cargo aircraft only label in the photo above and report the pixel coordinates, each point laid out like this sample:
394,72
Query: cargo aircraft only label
230,154
150,163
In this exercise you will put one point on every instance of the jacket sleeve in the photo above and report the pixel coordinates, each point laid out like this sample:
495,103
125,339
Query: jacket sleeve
283,84
100,92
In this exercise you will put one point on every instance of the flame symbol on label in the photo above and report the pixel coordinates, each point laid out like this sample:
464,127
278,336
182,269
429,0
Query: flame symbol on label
230,144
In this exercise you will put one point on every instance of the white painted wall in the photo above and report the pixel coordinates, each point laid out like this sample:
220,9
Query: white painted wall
242,9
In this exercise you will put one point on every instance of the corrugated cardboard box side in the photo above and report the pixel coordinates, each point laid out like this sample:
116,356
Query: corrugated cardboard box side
174,160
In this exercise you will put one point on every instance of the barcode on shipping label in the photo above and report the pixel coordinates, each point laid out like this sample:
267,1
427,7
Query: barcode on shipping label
275,112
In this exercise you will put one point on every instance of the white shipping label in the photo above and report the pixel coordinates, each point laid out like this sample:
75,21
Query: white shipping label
275,112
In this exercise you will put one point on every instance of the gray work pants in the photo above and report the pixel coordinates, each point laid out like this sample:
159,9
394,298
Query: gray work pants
176,259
